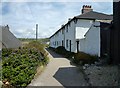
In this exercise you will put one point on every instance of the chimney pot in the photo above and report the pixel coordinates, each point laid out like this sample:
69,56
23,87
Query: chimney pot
69,19
83,6
86,8
62,25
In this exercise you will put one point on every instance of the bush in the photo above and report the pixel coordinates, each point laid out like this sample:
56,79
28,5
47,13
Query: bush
79,58
20,65
83,58
38,46
61,50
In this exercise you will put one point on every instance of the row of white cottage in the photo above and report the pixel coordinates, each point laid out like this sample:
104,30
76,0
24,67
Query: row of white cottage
83,33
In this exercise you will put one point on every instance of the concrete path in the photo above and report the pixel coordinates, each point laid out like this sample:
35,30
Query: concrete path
59,72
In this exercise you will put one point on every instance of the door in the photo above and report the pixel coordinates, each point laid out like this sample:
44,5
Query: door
62,42
77,46
70,45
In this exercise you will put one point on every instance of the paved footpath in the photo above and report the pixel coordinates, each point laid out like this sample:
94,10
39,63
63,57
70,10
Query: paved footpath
59,72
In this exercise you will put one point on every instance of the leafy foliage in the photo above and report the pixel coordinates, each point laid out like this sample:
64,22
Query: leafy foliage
19,65
37,46
79,58
61,50
83,58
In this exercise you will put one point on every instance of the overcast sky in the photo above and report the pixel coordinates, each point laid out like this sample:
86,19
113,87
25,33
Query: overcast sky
23,16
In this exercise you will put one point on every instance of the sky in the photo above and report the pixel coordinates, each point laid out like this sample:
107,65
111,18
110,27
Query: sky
22,17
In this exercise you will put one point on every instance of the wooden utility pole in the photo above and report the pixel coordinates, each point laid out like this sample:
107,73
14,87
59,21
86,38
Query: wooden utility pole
36,32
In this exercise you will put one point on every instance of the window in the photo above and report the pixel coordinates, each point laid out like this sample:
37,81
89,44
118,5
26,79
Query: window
67,28
57,43
75,21
69,24
62,31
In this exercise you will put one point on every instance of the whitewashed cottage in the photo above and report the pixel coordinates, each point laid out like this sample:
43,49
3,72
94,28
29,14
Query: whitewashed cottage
82,33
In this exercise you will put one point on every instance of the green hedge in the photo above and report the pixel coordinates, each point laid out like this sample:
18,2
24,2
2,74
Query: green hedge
19,65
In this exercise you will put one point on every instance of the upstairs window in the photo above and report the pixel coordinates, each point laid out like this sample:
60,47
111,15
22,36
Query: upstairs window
62,31
69,24
67,30
57,43
75,21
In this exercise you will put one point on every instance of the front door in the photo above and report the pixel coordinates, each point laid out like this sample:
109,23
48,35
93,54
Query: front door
62,42
77,46
70,45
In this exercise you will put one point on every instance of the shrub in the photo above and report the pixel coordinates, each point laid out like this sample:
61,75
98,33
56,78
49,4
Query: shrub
38,46
79,58
83,58
19,65
61,50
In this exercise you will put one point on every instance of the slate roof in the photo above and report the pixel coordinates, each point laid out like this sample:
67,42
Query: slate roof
95,15
92,15
7,38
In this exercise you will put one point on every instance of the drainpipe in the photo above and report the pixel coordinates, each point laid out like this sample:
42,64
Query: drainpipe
77,45
64,37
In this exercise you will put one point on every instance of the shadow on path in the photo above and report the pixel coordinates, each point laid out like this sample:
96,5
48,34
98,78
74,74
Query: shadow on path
54,54
70,76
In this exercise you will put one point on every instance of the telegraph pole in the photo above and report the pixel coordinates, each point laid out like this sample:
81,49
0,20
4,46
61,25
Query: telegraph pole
36,32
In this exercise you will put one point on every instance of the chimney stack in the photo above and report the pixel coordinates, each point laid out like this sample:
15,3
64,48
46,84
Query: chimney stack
86,8
7,27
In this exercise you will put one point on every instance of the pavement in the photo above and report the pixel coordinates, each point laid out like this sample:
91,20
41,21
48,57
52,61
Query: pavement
59,72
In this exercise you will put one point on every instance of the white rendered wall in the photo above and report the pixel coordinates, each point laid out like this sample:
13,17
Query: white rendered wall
70,35
91,43
58,39
82,45
82,27
75,31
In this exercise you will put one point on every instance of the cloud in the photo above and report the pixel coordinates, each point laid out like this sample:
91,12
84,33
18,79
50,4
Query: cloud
23,16
58,0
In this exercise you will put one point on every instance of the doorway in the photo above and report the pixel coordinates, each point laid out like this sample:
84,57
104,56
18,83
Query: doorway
62,43
77,46
70,45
